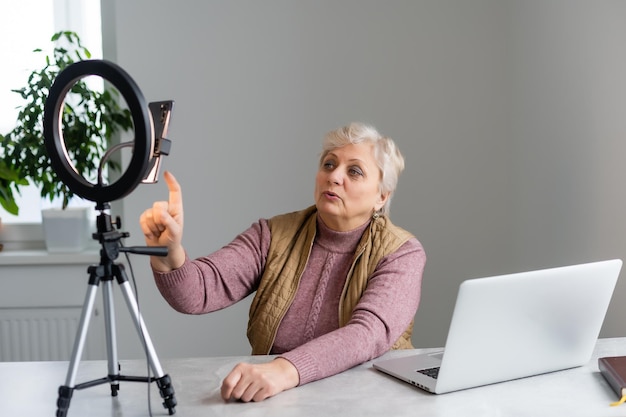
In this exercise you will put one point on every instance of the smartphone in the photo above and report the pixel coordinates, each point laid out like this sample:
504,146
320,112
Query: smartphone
161,114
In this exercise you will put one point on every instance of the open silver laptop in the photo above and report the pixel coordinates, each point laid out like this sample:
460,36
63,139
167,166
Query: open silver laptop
513,326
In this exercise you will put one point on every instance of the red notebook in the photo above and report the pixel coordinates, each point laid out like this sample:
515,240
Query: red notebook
613,368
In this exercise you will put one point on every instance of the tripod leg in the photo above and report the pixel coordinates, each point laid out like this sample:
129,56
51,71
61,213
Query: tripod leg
163,380
141,328
66,391
111,338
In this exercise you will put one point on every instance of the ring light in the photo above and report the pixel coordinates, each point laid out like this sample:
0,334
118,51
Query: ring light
144,142
150,123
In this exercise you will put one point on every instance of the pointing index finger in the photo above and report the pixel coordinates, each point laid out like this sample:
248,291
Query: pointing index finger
176,195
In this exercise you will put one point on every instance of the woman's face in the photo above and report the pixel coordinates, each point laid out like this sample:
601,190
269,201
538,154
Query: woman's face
347,187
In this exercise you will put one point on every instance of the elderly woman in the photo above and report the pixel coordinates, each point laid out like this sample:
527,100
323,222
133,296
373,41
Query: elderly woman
337,284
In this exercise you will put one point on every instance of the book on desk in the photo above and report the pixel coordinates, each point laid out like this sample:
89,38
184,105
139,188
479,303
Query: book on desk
613,368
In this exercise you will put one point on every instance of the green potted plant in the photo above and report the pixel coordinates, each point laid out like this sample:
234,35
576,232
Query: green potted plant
90,120
10,180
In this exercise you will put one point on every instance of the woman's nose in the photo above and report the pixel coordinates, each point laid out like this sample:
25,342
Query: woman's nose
335,177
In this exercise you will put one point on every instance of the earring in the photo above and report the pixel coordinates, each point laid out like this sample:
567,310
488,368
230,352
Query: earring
375,215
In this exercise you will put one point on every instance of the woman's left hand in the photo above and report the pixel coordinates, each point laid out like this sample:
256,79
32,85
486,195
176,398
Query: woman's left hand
256,382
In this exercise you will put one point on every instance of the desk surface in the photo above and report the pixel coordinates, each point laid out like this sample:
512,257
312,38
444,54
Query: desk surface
30,389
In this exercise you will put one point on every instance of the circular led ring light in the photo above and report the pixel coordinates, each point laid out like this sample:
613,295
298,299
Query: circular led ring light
53,131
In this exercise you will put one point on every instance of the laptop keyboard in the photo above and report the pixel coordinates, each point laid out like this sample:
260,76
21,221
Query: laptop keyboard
431,372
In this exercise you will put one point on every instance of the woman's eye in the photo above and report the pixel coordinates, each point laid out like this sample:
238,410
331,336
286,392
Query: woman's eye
356,172
329,164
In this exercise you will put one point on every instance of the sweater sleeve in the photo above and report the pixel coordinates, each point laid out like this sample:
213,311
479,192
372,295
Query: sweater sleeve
220,279
383,313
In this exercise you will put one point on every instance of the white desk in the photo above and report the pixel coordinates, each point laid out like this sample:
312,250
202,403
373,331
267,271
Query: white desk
30,389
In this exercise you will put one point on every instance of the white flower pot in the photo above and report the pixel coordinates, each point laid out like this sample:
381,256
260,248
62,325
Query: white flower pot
66,230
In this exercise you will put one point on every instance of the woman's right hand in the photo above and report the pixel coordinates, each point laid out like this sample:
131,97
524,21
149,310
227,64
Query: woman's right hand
162,225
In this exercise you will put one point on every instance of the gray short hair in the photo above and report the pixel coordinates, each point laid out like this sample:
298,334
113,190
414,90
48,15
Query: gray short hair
387,155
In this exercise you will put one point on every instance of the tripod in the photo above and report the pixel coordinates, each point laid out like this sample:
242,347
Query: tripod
104,273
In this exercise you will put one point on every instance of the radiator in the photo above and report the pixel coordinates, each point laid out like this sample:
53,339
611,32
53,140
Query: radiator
42,334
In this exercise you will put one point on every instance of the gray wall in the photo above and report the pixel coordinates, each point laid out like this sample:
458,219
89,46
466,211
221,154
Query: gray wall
510,115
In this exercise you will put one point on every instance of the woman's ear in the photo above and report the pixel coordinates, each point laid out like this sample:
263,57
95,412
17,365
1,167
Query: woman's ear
381,201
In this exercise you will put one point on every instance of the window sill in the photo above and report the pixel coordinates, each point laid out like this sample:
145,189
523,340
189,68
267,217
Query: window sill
43,257
23,245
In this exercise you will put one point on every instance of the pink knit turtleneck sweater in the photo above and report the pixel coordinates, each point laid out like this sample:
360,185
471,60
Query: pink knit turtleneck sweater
309,335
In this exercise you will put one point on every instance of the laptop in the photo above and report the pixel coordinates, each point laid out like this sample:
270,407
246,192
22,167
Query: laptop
513,326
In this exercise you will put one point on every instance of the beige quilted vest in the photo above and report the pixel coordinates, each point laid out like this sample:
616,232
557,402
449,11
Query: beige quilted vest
290,246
